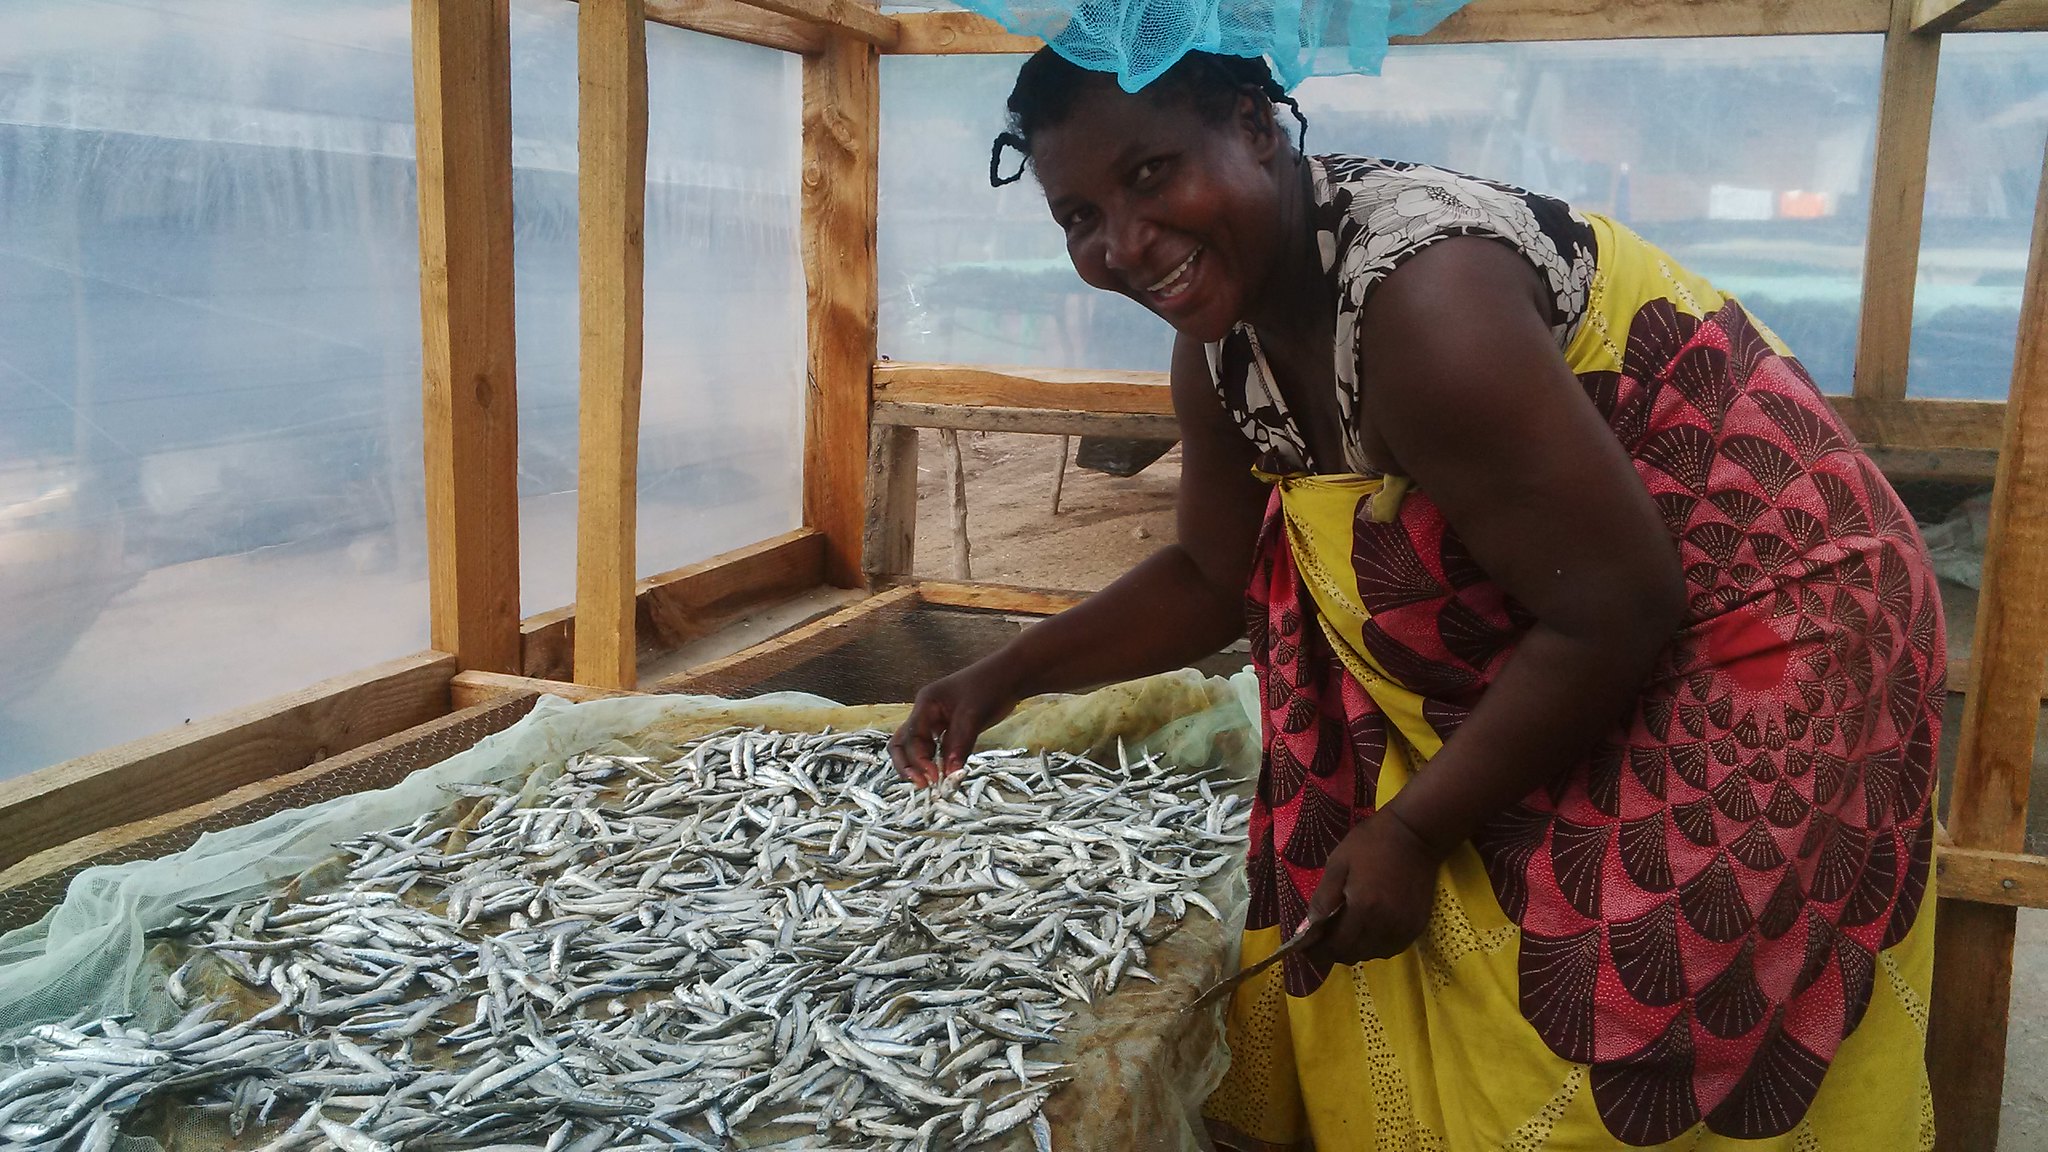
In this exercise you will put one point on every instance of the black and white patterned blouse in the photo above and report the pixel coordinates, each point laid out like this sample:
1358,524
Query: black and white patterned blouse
1370,216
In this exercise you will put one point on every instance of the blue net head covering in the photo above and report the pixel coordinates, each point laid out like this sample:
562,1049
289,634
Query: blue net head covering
1140,39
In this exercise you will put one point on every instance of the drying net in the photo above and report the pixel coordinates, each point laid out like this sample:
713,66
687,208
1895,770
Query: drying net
1147,1069
1140,39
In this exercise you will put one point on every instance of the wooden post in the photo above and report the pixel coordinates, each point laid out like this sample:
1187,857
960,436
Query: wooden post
1898,191
1995,756
889,539
842,109
1059,473
462,104
611,150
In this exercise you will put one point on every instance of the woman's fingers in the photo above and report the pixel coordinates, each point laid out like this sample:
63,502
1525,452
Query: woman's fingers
912,748
962,728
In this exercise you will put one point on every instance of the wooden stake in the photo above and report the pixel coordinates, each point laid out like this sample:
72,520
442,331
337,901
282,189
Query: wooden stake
1994,758
1059,474
889,539
956,476
462,108
842,111
611,148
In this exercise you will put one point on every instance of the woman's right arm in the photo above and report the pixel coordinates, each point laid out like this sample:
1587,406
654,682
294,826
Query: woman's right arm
1180,604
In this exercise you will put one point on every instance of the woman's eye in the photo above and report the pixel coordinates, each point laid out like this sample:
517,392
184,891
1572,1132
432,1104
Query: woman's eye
1148,171
1076,219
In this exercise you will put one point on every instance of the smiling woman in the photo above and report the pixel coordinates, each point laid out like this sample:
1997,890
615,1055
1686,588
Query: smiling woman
1602,671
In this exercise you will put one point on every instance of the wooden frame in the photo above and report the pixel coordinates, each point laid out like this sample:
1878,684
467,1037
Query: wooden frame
859,488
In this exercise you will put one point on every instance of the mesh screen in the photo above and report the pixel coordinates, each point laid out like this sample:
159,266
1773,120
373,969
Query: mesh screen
881,655
351,772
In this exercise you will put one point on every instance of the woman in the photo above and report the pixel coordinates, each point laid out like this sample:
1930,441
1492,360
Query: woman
1602,671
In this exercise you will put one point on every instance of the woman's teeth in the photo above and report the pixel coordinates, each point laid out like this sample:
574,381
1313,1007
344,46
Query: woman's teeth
1176,282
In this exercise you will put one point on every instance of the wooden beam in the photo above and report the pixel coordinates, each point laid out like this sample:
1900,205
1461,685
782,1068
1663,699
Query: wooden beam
998,597
889,535
1924,425
678,605
1995,754
734,20
1932,17
1043,421
841,149
376,764
469,689
1085,390
783,652
1898,193
1955,465
462,108
199,761
675,606
850,17
1497,21
611,150
2011,16
958,34
1987,877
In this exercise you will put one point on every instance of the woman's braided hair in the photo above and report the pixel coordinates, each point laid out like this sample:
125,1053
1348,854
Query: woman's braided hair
1048,84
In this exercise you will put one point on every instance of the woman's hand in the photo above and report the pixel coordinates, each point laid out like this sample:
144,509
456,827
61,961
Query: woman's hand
1379,885
947,718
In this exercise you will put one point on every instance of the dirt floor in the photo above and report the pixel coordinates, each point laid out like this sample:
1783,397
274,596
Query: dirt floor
1106,524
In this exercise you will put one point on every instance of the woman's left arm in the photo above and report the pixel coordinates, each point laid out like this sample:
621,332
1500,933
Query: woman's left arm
1466,388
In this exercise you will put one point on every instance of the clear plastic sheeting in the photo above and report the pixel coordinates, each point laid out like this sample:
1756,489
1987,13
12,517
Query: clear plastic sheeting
1749,159
721,424
210,477
1983,175
1145,1069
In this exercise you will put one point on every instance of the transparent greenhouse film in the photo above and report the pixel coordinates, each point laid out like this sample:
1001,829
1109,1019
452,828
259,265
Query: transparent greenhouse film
1983,175
210,477
1748,159
721,433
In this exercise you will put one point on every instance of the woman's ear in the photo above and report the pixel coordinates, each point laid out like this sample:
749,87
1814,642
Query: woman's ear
1255,117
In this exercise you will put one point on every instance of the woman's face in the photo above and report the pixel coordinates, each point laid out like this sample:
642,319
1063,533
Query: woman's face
1163,205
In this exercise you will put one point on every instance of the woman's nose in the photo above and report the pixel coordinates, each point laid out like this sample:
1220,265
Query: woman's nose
1128,239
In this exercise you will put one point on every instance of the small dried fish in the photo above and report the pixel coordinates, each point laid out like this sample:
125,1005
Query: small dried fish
768,934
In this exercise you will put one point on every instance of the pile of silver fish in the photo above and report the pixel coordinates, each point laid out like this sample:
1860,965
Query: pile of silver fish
767,941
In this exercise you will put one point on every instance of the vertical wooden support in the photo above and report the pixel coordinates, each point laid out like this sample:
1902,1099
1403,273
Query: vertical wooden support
889,540
611,151
1898,192
1994,761
842,111
462,101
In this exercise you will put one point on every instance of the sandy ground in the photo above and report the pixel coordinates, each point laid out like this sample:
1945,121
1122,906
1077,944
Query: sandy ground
1106,524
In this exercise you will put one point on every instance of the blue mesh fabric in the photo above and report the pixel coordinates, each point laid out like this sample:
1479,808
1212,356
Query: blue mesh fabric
1139,39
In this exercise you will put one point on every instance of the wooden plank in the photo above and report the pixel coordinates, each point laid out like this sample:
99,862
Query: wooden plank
1084,390
470,689
611,149
998,597
1898,193
783,652
735,20
1923,424
1958,465
199,761
1497,21
2011,16
958,34
1931,17
841,146
1044,421
855,20
673,607
1994,758
1987,877
175,831
889,534
462,107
